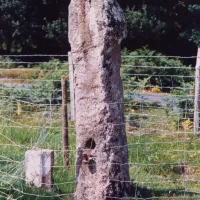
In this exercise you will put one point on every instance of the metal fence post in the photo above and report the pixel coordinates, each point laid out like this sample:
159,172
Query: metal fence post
71,85
197,93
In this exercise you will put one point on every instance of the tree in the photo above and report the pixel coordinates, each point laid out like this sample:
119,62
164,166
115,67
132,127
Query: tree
166,26
32,26
40,26
192,24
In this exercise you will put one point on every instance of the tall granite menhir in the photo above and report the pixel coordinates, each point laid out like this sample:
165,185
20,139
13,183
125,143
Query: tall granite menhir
96,29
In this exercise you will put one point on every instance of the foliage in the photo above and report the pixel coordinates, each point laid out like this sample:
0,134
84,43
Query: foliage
27,25
172,25
161,70
42,83
187,125
192,32
31,26
7,63
53,70
54,29
143,24
184,99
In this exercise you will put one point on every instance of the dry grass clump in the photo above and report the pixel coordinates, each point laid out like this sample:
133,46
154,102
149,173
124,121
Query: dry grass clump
18,75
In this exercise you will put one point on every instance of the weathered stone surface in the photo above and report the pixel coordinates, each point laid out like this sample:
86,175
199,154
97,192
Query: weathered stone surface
96,29
39,164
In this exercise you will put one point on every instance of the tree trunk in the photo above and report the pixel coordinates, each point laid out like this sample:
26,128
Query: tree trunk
96,28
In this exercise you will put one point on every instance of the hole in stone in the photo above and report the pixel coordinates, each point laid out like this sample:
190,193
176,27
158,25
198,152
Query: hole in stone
90,144
92,166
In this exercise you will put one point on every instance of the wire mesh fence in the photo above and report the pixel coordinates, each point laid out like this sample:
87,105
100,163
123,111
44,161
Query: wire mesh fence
159,116
31,118
159,109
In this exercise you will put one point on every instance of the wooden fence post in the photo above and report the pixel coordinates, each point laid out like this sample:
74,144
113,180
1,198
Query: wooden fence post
65,122
71,85
197,94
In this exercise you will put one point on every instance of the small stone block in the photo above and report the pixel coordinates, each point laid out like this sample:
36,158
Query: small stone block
39,169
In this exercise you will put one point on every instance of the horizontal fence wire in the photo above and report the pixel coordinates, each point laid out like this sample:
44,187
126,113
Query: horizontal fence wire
158,104
34,55
136,56
21,62
159,112
161,56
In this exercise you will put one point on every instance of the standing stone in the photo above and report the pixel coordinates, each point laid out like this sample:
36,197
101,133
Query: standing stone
39,164
96,29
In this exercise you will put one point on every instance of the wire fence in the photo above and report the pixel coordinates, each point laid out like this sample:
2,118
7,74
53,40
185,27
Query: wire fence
31,118
159,111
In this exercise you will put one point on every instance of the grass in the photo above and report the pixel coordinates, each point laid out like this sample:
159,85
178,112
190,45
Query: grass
164,158
165,162
22,133
19,73
25,75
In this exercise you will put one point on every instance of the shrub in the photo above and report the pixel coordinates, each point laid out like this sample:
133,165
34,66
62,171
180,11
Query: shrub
44,82
7,63
184,99
164,72
53,70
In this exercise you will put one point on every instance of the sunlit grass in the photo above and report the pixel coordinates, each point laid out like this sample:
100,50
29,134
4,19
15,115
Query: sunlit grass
18,73
164,159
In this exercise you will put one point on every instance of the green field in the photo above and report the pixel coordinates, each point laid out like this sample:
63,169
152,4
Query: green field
21,133
164,159
163,154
